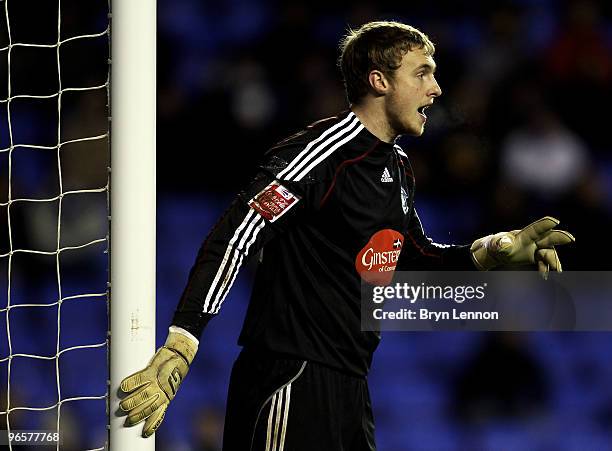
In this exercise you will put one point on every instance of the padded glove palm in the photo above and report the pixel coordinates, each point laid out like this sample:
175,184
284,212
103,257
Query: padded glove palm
151,389
533,244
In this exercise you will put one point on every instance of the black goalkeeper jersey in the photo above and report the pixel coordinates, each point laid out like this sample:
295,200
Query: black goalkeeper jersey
330,206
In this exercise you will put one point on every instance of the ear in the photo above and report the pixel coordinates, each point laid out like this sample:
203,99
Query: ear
378,82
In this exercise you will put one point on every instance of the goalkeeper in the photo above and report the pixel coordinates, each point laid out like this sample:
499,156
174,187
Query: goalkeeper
329,206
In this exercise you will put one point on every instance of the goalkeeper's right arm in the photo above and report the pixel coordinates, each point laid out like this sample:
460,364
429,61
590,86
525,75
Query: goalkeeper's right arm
239,234
151,389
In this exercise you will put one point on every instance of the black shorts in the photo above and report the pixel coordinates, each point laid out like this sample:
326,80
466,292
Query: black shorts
282,404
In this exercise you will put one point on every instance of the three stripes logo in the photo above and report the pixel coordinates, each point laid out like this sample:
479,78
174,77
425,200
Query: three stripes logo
386,176
277,420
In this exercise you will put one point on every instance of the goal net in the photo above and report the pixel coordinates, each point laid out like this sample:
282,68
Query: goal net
54,192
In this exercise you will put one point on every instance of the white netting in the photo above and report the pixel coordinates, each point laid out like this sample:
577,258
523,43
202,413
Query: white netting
55,232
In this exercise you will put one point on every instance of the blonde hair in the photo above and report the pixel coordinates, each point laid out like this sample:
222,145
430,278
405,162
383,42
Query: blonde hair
377,45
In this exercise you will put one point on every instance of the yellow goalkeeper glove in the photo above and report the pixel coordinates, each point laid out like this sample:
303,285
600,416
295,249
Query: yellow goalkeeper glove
533,244
151,390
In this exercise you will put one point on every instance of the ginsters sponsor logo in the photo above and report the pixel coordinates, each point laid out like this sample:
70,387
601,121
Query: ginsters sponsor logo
376,262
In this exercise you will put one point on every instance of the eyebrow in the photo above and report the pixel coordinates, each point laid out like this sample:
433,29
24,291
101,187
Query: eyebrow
426,66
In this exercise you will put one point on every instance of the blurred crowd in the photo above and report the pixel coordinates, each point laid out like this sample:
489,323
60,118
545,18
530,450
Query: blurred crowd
519,132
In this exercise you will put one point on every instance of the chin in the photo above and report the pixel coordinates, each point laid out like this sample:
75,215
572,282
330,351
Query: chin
413,128
416,132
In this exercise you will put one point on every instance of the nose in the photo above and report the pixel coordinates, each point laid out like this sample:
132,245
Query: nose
435,90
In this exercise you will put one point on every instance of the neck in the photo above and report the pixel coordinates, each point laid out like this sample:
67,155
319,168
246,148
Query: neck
373,119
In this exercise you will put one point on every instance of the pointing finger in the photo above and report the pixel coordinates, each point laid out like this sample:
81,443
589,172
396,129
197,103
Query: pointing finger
539,227
555,238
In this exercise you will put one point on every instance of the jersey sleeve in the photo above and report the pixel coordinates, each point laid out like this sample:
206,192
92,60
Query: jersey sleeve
421,253
263,210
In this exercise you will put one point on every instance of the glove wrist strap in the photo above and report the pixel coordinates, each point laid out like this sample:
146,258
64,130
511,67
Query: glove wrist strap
183,345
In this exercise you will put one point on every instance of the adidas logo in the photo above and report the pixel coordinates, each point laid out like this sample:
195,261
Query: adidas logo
386,176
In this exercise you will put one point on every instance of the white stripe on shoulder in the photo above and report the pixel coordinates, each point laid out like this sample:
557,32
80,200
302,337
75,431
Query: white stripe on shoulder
355,132
314,142
320,148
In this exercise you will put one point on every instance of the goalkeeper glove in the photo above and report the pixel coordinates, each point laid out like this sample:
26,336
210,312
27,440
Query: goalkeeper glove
533,244
151,389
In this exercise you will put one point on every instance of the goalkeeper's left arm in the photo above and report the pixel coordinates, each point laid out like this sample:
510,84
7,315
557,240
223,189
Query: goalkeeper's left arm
534,244
421,253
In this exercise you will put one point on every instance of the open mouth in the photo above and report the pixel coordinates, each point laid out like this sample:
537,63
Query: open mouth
421,111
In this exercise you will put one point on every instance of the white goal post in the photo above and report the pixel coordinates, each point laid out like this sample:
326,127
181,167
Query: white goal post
133,103
53,221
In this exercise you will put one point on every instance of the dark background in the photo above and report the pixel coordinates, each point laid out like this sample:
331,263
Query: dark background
520,131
